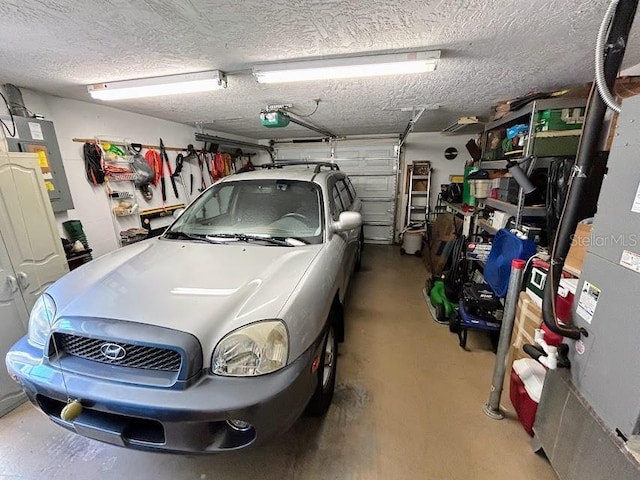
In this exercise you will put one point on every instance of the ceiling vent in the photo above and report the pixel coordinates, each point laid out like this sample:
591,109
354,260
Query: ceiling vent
463,125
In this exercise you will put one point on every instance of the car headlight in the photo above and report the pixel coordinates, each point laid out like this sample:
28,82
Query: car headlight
256,349
40,320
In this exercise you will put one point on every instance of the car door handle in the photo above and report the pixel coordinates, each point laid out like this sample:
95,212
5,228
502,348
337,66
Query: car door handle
13,283
23,280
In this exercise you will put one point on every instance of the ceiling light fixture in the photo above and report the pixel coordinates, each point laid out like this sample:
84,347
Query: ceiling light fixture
157,86
347,67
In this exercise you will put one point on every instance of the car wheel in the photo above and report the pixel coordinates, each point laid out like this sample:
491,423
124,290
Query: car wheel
359,250
440,315
321,399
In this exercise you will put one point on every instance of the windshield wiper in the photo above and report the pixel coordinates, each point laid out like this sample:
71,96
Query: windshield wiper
294,241
189,236
243,237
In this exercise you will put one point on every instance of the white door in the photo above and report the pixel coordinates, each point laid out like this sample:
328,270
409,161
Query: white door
28,226
13,325
372,166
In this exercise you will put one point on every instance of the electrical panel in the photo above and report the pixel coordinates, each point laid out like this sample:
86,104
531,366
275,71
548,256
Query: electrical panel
39,136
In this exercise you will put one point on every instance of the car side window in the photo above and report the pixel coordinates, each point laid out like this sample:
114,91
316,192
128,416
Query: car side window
344,194
337,206
352,189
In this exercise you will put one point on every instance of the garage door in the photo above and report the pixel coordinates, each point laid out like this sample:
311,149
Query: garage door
373,169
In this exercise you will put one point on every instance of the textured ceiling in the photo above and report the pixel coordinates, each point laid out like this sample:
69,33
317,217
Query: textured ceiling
491,50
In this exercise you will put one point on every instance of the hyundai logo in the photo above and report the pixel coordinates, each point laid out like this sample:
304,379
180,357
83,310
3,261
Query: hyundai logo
113,351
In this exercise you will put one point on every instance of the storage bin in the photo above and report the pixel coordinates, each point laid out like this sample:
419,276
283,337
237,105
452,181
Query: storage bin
561,119
481,188
412,241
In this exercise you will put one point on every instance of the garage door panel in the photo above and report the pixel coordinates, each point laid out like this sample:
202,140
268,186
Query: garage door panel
312,154
381,211
374,186
381,234
359,165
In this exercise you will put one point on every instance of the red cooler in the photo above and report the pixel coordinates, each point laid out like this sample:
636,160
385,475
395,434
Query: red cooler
527,379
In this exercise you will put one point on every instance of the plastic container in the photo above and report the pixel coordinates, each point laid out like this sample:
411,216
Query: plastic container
412,241
561,119
467,197
506,247
564,300
527,379
481,188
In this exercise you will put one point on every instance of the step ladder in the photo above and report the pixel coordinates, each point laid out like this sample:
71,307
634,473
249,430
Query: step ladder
418,200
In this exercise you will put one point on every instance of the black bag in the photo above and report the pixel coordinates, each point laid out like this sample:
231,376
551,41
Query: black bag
452,193
93,163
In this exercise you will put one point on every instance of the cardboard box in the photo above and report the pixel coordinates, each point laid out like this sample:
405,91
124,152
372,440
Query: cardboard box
441,242
528,318
579,243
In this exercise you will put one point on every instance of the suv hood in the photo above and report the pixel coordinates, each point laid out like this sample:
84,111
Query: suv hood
203,289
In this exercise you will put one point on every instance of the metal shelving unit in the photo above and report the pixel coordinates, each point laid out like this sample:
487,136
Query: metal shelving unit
484,225
513,210
527,114
467,216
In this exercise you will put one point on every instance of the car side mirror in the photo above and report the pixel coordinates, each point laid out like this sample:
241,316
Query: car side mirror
177,212
347,221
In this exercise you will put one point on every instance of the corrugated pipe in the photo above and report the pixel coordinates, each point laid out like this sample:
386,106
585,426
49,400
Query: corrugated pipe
603,89
15,100
596,108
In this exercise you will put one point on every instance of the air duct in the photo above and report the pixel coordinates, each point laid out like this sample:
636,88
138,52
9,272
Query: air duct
15,100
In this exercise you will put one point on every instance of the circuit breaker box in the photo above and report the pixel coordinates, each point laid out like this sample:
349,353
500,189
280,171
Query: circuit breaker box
39,136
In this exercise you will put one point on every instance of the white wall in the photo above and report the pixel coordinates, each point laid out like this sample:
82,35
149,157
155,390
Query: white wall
431,146
74,118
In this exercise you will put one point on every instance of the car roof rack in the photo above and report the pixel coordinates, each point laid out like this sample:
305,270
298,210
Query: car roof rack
318,165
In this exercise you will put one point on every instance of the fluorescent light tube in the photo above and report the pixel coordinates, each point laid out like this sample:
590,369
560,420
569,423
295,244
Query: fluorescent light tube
157,86
347,67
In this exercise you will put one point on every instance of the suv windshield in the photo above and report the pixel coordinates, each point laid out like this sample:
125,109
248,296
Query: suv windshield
278,209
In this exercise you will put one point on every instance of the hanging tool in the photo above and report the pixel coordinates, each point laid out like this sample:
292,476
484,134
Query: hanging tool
144,173
191,153
165,157
155,162
201,162
178,173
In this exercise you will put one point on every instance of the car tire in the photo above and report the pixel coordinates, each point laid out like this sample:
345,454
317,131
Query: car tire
322,397
359,251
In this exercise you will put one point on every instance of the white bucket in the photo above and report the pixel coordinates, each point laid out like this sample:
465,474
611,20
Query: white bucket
481,188
412,241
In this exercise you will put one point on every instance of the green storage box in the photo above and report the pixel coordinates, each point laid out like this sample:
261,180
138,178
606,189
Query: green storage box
556,146
560,119
467,198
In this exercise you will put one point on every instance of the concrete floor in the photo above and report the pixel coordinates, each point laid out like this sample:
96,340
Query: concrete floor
408,405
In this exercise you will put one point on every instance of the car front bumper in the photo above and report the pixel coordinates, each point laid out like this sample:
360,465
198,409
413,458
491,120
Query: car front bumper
161,419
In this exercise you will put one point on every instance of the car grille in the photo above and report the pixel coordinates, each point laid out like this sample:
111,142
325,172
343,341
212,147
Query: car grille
136,356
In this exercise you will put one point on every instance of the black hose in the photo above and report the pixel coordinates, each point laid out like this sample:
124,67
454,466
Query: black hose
587,150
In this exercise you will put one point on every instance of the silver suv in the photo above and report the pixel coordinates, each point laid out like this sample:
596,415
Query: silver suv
216,335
